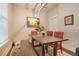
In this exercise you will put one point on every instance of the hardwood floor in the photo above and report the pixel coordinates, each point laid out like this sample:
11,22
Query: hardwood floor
68,51
16,51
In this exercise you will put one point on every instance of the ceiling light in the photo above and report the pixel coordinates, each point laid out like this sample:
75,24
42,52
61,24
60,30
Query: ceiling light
42,4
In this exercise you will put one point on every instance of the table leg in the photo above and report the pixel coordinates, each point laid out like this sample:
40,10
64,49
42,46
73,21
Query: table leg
55,49
43,50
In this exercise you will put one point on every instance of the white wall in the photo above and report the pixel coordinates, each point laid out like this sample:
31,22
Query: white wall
43,19
53,19
71,32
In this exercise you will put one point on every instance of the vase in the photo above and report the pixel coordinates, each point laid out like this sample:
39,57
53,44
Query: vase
39,33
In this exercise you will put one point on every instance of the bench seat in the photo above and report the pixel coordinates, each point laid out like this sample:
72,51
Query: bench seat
26,49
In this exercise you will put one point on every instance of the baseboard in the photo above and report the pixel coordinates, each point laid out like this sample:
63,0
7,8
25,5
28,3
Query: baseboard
68,51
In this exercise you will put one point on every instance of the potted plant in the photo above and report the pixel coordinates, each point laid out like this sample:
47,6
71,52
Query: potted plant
39,29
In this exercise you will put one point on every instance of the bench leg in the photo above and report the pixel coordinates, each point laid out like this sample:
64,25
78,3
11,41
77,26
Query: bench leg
32,42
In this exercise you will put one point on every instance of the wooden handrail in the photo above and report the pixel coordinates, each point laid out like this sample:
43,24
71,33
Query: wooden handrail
9,52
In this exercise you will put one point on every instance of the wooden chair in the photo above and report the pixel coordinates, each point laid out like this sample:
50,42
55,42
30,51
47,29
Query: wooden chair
59,35
49,33
33,32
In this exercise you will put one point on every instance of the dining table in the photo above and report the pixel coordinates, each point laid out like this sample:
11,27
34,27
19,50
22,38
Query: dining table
44,40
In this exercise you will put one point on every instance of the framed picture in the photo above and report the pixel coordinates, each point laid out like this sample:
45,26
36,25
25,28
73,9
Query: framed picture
69,20
33,22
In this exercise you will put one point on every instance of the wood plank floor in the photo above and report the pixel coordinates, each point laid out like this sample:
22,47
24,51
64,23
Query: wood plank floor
23,49
16,52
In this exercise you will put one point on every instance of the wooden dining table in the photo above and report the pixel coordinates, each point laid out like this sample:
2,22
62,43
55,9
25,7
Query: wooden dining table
45,40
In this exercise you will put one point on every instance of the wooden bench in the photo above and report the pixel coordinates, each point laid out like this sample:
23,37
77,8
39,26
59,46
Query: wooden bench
26,49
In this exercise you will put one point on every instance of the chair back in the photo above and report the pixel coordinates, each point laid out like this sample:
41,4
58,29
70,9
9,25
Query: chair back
59,34
49,33
33,32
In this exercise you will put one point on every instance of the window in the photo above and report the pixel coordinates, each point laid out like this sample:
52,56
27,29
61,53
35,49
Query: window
3,22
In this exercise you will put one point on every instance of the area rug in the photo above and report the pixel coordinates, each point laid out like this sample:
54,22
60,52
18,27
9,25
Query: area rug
16,51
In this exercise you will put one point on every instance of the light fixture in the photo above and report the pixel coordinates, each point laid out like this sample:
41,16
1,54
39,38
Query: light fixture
42,4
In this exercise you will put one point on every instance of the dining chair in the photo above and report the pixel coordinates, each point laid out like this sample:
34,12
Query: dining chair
33,32
59,35
49,33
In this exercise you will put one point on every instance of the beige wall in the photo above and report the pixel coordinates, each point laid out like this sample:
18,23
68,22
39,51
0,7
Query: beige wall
71,32
20,27
10,20
20,24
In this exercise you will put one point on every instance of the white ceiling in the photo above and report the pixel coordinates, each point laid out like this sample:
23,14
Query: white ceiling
51,5
26,5
35,5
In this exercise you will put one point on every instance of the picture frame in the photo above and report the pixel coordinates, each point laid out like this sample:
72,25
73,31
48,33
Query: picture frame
33,22
69,20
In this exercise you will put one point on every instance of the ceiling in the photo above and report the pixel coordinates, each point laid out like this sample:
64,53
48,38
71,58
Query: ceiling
26,5
35,5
